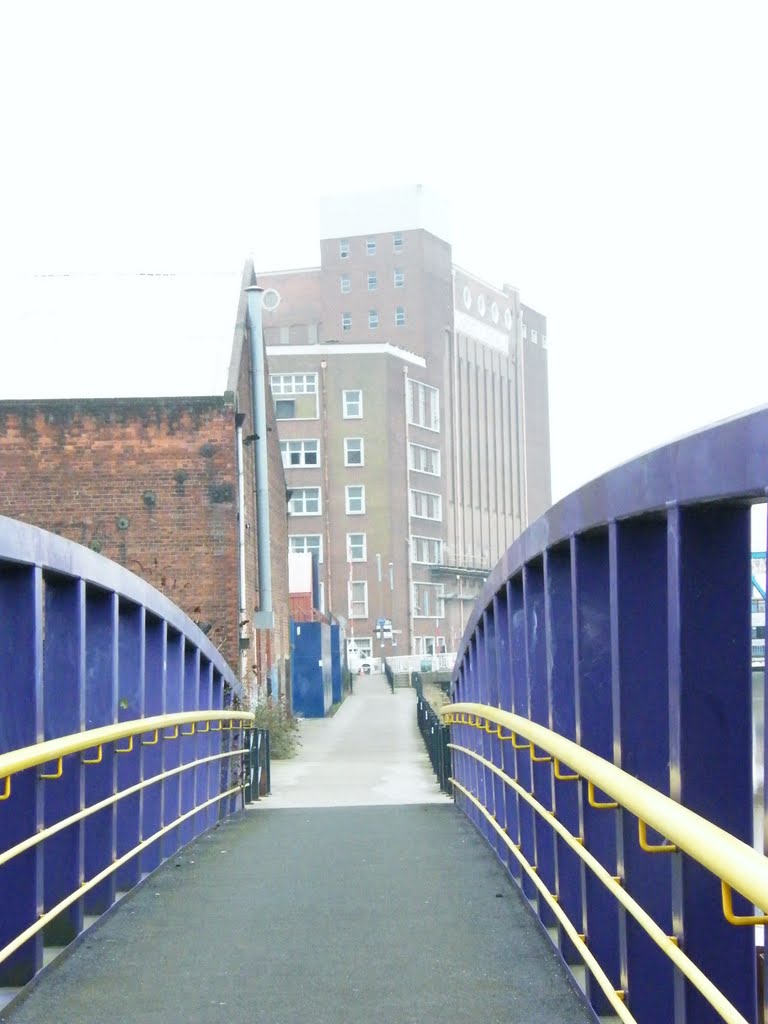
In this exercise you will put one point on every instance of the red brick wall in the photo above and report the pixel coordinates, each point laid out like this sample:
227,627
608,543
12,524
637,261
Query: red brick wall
150,483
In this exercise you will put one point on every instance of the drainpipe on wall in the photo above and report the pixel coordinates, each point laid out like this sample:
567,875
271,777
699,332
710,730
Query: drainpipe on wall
264,618
243,616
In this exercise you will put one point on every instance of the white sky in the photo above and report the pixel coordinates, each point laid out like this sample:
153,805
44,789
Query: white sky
607,158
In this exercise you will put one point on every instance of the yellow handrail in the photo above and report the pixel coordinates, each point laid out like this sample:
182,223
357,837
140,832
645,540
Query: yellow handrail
667,943
53,750
728,858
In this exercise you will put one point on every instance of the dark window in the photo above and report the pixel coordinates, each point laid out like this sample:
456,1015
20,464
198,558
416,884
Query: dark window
285,409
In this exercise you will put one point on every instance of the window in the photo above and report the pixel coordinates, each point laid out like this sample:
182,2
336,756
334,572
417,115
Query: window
424,460
372,282
356,547
423,405
400,317
301,543
344,248
534,336
426,505
300,453
362,646
427,550
285,409
373,318
346,321
353,405
370,246
428,601
358,599
397,242
293,383
758,605
305,501
295,395
354,451
399,278
345,283
355,499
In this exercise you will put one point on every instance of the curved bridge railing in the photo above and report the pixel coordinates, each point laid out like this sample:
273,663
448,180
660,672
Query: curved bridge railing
120,739
601,727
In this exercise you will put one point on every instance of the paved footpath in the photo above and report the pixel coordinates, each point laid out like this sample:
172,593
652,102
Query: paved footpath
356,894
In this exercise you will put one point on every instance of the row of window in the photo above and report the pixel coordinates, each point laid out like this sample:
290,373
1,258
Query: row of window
373,319
398,280
305,452
425,551
370,245
428,600
306,501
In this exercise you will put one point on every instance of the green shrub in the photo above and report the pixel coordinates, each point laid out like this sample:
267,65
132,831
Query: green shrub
276,716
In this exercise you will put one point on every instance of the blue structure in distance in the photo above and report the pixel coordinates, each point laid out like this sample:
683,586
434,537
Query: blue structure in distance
311,677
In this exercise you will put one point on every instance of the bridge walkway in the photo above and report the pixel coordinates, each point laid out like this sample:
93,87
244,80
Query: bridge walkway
356,894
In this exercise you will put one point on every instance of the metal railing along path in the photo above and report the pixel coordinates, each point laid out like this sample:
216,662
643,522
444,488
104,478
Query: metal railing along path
120,739
601,728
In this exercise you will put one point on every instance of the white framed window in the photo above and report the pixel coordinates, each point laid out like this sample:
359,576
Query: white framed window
400,316
370,246
305,501
344,248
345,284
354,451
358,599
423,459
373,318
357,547
355,499
362,646
397,242
427,550
293,383
353,405
346,321
534,336
372,281
399,278
303,543
295,395
423,405
525,331
426,505
428,602
300,452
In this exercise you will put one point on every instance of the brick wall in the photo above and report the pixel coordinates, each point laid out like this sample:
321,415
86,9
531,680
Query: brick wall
150,483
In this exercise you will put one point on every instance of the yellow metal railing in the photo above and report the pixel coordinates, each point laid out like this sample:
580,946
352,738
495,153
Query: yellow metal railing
733,862
54,751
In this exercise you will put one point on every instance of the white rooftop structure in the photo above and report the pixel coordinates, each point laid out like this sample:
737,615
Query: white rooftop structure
117,335
394,209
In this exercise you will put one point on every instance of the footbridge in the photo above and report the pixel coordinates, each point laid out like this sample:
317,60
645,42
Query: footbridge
601,858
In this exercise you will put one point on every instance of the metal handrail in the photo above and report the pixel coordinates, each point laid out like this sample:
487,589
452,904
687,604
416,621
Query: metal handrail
729,859
15,761
666,943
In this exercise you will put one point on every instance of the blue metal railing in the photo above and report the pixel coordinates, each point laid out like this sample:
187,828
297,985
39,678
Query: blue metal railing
620,621
121,739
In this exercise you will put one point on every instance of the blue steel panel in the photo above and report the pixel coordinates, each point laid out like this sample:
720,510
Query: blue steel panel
310,669
64,700
130,706
710,732
638,567
21,724
174,681
538,705
495,632
594,730
100,709
205,748
484,790
188,745
561,685
152,752
521,706
504,669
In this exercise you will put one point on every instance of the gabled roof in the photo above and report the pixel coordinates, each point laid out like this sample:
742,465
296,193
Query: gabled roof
120,335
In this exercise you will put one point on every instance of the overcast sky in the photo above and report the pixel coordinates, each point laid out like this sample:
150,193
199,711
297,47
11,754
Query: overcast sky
607,158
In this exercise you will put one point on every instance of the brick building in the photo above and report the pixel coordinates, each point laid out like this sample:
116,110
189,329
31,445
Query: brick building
157,484
412,403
